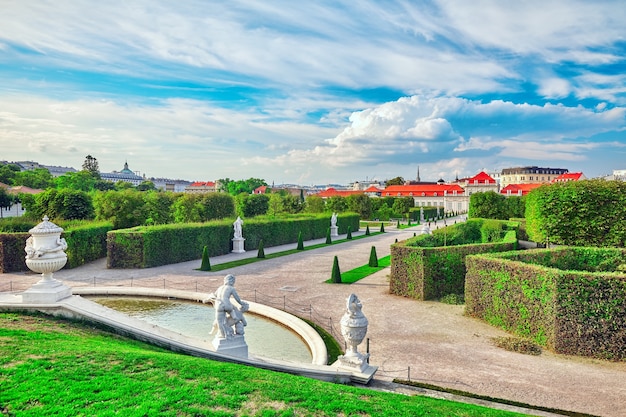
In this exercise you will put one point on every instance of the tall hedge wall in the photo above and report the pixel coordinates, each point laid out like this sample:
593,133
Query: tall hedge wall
12,254
149,246
568,311
427,273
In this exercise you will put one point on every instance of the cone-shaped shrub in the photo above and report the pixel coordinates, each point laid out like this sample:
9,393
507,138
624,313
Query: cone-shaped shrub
300,242
328,239
397,239
373,258
398,225
367,230
349,237
261,253
409,221
382,228
335,276
206,263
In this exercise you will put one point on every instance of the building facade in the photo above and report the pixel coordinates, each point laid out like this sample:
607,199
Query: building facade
125,175
529,175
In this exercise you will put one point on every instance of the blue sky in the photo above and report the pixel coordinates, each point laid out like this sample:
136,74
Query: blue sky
314,92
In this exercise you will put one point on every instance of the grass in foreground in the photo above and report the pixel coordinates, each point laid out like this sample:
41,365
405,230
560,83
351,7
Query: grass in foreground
54,367
246,261
361,272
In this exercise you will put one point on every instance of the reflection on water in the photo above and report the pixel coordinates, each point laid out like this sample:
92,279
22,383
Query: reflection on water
264,337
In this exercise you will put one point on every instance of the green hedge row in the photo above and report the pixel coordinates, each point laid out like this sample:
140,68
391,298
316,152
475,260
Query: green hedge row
433,270
86,242
540,295
149,246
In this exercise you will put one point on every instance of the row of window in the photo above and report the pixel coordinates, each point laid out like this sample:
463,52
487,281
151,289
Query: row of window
445,193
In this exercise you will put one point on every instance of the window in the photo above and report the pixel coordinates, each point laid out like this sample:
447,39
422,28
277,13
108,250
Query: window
423,194
435,194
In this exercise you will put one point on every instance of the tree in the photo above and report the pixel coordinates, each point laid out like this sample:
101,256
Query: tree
488,205
6,200
336,204
394,181
7,173
292,204
91,166
360,203
124,208
158,207
237,187
250,205
39,178
314,204
217,206
403,205
146,186
188,208
81,180
275,204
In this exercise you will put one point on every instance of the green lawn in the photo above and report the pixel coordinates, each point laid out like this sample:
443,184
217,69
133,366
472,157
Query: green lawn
54,367
361,272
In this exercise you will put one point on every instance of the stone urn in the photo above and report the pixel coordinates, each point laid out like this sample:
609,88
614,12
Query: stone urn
353,329
45,253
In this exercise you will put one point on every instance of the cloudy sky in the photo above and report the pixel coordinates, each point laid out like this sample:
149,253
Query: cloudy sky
314,92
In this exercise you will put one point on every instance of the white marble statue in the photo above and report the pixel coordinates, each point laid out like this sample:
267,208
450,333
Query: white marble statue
237,225
333,220
229,320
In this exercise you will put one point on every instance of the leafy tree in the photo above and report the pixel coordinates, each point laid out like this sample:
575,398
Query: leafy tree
146,186
236,187
74,204
515,206
123,185
123,208
360,203
250,205
402,205
6,199
217,206
81,180
336,204
8,172
91,166
394,181
275,204
314,204
103,185
188,208
158,207
488,205
39,178
292,204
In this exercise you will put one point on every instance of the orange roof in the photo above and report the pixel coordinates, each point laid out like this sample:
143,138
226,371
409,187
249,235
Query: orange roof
569,176
422,190
372,189
202,184
482,178
22,189
515,189
332,192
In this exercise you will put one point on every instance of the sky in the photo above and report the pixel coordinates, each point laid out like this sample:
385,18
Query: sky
310,93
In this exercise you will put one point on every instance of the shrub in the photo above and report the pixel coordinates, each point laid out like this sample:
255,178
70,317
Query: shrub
300,241
335,276
206,262
367,230
373,262
328,239
349,236
382,228
261,251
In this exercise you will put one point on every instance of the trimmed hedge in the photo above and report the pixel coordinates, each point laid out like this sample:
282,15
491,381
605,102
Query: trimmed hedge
149,246
538,294
434,271
86,242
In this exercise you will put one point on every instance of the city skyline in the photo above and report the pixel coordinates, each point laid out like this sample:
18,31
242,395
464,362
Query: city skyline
331,92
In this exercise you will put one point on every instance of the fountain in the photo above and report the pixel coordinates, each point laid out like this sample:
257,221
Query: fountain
45,254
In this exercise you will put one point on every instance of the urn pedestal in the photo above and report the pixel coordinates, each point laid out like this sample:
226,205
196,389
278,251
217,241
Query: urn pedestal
234,346
45,254
238,245
334,231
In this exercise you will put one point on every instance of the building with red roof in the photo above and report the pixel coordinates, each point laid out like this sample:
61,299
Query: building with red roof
450,196
518,189
569,176
201,187
333,192
479,183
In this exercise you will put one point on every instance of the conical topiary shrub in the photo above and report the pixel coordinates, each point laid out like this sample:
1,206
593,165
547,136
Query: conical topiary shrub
328,239
367,230
409,221
261,253
206,263
398,224
300,241
382,228
373,258
335,276
349,237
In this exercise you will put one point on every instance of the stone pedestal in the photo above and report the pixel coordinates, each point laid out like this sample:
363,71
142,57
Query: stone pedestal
46,292
233,346
238,245
334,231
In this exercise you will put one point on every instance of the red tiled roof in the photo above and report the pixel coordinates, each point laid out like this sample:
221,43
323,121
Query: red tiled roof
516,188
482,178
569,176
426,190
202,184
260,190
373,189
332,192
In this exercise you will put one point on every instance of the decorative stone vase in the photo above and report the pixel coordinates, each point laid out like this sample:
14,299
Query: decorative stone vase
353,327
45,254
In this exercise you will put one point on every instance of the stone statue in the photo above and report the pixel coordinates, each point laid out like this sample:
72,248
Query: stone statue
333,220
426,230
237,226
229,320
